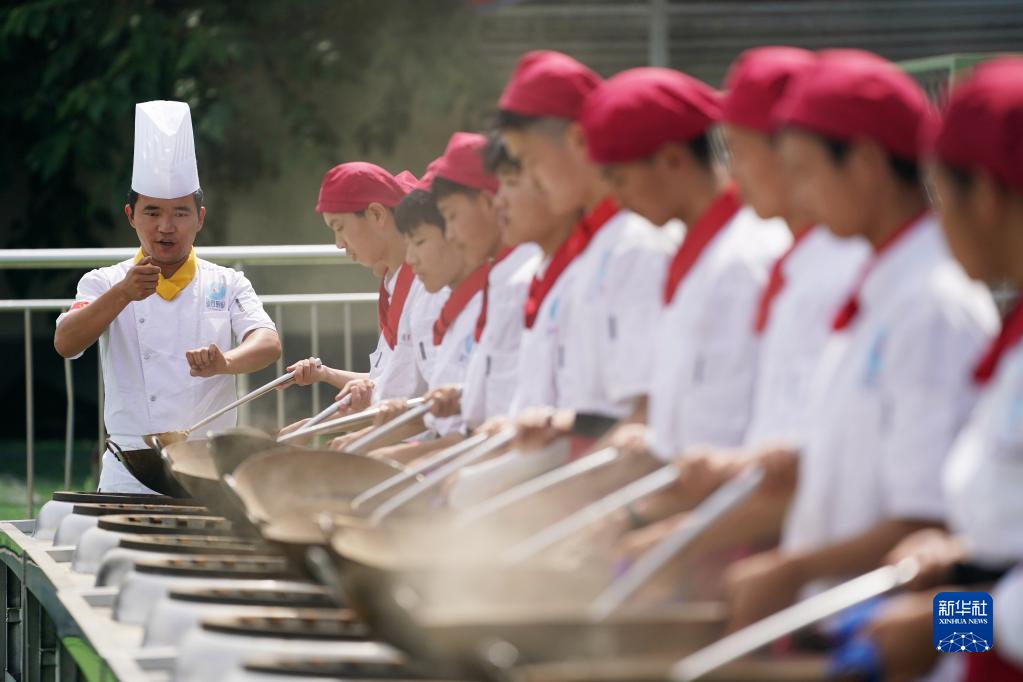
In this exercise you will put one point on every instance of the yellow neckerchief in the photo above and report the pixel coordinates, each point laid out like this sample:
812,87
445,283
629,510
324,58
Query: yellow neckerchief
168,289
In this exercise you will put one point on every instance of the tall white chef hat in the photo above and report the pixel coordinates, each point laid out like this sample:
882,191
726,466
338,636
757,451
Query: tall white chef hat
164,165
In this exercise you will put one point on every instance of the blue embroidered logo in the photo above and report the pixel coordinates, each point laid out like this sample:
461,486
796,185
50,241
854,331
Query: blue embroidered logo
963,622
216,292
875,359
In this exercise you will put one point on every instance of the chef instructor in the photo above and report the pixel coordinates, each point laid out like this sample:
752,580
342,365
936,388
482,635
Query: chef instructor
173,329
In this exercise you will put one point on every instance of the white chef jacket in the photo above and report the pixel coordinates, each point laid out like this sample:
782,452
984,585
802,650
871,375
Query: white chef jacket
892,391
492,375
704,346
615,301
453,356
406,368
542,348
984,475
148,388
818,276
1008,600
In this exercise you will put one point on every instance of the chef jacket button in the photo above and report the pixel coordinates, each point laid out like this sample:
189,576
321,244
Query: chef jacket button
152,398
142,320
146,356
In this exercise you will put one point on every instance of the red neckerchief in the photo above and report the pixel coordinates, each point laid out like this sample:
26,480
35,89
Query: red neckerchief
457,301
698,236
577,241
775,283
1012,332
851,308
389,307
481,321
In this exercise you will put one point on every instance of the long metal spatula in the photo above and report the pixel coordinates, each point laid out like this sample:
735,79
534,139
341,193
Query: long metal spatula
327,411
349,422
695,524
441,474
161,439
418,467
792,619
590,514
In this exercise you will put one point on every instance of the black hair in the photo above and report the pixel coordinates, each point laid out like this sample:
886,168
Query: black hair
509,120
962,178
702,149
416,208
496,157
442,187
197,196
907,172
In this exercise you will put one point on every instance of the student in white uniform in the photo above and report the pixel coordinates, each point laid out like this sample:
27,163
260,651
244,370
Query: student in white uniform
536,115
441,265
492,375
357,201
650,130
804,289
978,177
893,387
168,359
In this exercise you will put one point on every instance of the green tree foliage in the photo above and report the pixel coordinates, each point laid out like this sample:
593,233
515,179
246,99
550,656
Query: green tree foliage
265,79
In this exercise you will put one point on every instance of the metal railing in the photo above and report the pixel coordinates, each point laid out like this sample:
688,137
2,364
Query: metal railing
233,256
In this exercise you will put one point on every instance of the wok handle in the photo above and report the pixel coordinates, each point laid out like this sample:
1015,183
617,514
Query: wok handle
424,464
262,390
724,499
440,475
329,410
116,449
591,513
348,422
793,618
413,412
538,485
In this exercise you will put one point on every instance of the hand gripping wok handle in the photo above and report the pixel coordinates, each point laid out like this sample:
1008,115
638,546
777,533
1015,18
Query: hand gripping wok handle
724,499
366,443
262,390
590,514
329,410
440,475
424,464
795,617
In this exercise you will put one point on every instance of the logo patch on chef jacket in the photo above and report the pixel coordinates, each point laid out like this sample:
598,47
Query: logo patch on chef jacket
875,359
964,622
216,292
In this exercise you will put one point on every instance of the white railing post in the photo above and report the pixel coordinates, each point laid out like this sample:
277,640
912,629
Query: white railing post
29,419
348,336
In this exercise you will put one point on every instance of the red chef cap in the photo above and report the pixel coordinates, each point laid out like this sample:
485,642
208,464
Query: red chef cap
406,180
351,187
462,162
547,83
756,83
983,123
635,113
851,94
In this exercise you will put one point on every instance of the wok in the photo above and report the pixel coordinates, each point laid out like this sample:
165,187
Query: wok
231,447
192,464
143,524
149,469
285,481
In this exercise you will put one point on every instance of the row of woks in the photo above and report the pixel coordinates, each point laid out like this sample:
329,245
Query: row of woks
260,544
